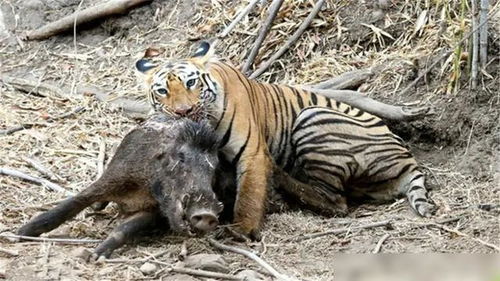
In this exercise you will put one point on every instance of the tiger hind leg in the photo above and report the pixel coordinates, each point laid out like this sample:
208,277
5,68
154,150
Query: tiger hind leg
412,185
324,201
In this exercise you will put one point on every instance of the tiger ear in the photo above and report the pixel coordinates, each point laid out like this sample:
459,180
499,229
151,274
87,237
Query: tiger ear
204,53
145,65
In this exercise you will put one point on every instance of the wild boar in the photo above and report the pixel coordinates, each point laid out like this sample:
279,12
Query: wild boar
164,167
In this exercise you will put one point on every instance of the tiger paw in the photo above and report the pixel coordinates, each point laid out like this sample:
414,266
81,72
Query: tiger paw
237,234
426,209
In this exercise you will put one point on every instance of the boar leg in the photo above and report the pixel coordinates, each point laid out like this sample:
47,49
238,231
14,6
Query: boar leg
125,231
53,218
64,211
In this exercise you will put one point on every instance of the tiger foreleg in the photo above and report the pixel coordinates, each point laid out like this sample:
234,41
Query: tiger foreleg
253,180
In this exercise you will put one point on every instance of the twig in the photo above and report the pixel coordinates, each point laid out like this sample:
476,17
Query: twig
68,114
130,106
49,90
111,7
443,56
487,244
249,255
290,41
54,240
380,242
45,261
475,46
37,180
266,26
100,158
204,273
12,253
42,169
184,251
170,267
303,237
358,100
31,125
36,87
483,33
16,129
348,80
240,15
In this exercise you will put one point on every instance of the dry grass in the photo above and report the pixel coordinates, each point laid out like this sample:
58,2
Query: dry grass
336,43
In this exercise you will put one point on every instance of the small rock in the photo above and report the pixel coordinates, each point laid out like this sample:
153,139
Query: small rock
211,262
82,253
250,275
377,15
63,231
179,277
384,4
33,4
148,268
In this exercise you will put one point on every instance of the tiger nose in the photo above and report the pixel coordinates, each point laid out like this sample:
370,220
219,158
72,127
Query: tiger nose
183,110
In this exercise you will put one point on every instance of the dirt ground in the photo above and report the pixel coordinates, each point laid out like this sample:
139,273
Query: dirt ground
458,146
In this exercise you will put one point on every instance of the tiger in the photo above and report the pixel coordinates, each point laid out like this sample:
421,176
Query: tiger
323,144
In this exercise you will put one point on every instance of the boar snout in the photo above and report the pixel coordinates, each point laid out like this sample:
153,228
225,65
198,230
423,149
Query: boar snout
204,221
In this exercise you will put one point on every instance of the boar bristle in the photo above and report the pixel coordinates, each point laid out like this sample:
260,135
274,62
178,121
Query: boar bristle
200,135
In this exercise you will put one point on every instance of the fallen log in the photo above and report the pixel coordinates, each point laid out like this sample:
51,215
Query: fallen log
109,8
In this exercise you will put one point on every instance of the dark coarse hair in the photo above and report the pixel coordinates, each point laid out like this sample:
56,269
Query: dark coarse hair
199,134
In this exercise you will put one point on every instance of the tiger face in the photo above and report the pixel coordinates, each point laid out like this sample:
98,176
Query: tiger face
182,87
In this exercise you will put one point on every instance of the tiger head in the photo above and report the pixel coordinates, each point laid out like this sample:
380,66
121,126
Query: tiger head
181,87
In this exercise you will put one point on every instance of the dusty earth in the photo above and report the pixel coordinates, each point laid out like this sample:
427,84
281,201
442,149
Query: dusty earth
458,146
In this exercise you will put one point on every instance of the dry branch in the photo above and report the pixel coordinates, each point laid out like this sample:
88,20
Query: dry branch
130,106
12,253
380,242
348,80
53,240
391,112
172,268
35,87
483,33
303,237
15,129
290,41
240,15
48,90
30,125
457,232
443,56
109,8
475,46
251,256
37,180
42,169
266,26
204,273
